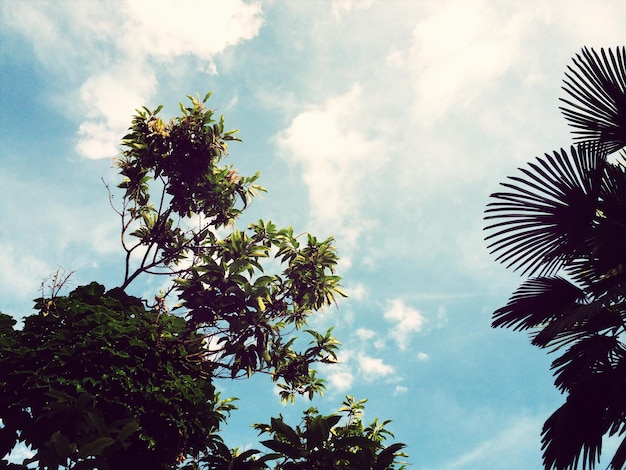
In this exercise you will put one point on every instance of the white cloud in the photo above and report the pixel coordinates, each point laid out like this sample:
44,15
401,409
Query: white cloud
422,356
335,155
369,338
109,100
340,380
161,28
576,19
340,375
356,292
373,368
364,334
21,273
130,42
458,49
353,364
340,6
400,389
407,321
97,139
104,95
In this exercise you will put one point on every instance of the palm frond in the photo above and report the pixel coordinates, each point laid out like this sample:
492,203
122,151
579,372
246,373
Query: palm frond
566,213
596,102
618,462
592,372
541,221
586,359
537,302
575,430
610,241
580,321
604,267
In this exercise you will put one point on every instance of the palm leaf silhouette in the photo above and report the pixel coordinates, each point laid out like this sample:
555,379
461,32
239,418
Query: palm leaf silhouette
539,223
579,321
575,428
537,302
592,371
602,269
596,102
566,213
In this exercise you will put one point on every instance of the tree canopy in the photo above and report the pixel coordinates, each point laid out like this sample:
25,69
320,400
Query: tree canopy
562,221
99,378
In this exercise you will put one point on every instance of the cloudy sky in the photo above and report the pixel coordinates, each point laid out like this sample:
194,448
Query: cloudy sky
385,123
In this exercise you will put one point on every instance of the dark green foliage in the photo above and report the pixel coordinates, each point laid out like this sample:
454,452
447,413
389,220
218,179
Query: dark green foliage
180,162
336,441
96,375
104,380
176,198
563,220
245,312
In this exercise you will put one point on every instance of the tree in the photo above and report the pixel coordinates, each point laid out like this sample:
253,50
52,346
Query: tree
562,221
325,442
102,379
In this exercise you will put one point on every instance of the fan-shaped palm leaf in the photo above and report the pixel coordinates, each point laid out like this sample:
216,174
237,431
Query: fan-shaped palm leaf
542,220
595,406
604,269
596,103
537,302
597,354
575,430
579,322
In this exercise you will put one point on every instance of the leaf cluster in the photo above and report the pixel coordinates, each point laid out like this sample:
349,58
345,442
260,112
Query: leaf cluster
101,379
248,315
336,441
244,313
172,172
96,378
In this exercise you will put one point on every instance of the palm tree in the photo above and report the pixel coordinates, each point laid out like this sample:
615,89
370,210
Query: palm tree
562,222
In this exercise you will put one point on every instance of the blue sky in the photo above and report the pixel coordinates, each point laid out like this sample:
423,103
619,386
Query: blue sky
384,123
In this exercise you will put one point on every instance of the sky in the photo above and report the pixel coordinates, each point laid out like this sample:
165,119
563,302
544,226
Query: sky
385,123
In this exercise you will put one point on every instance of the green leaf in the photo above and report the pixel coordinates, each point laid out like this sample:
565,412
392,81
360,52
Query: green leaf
247,454
128,430
63,447
319,430
95,447
283,430
61,397
387,456
356,441
96,422
238,266
283,448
